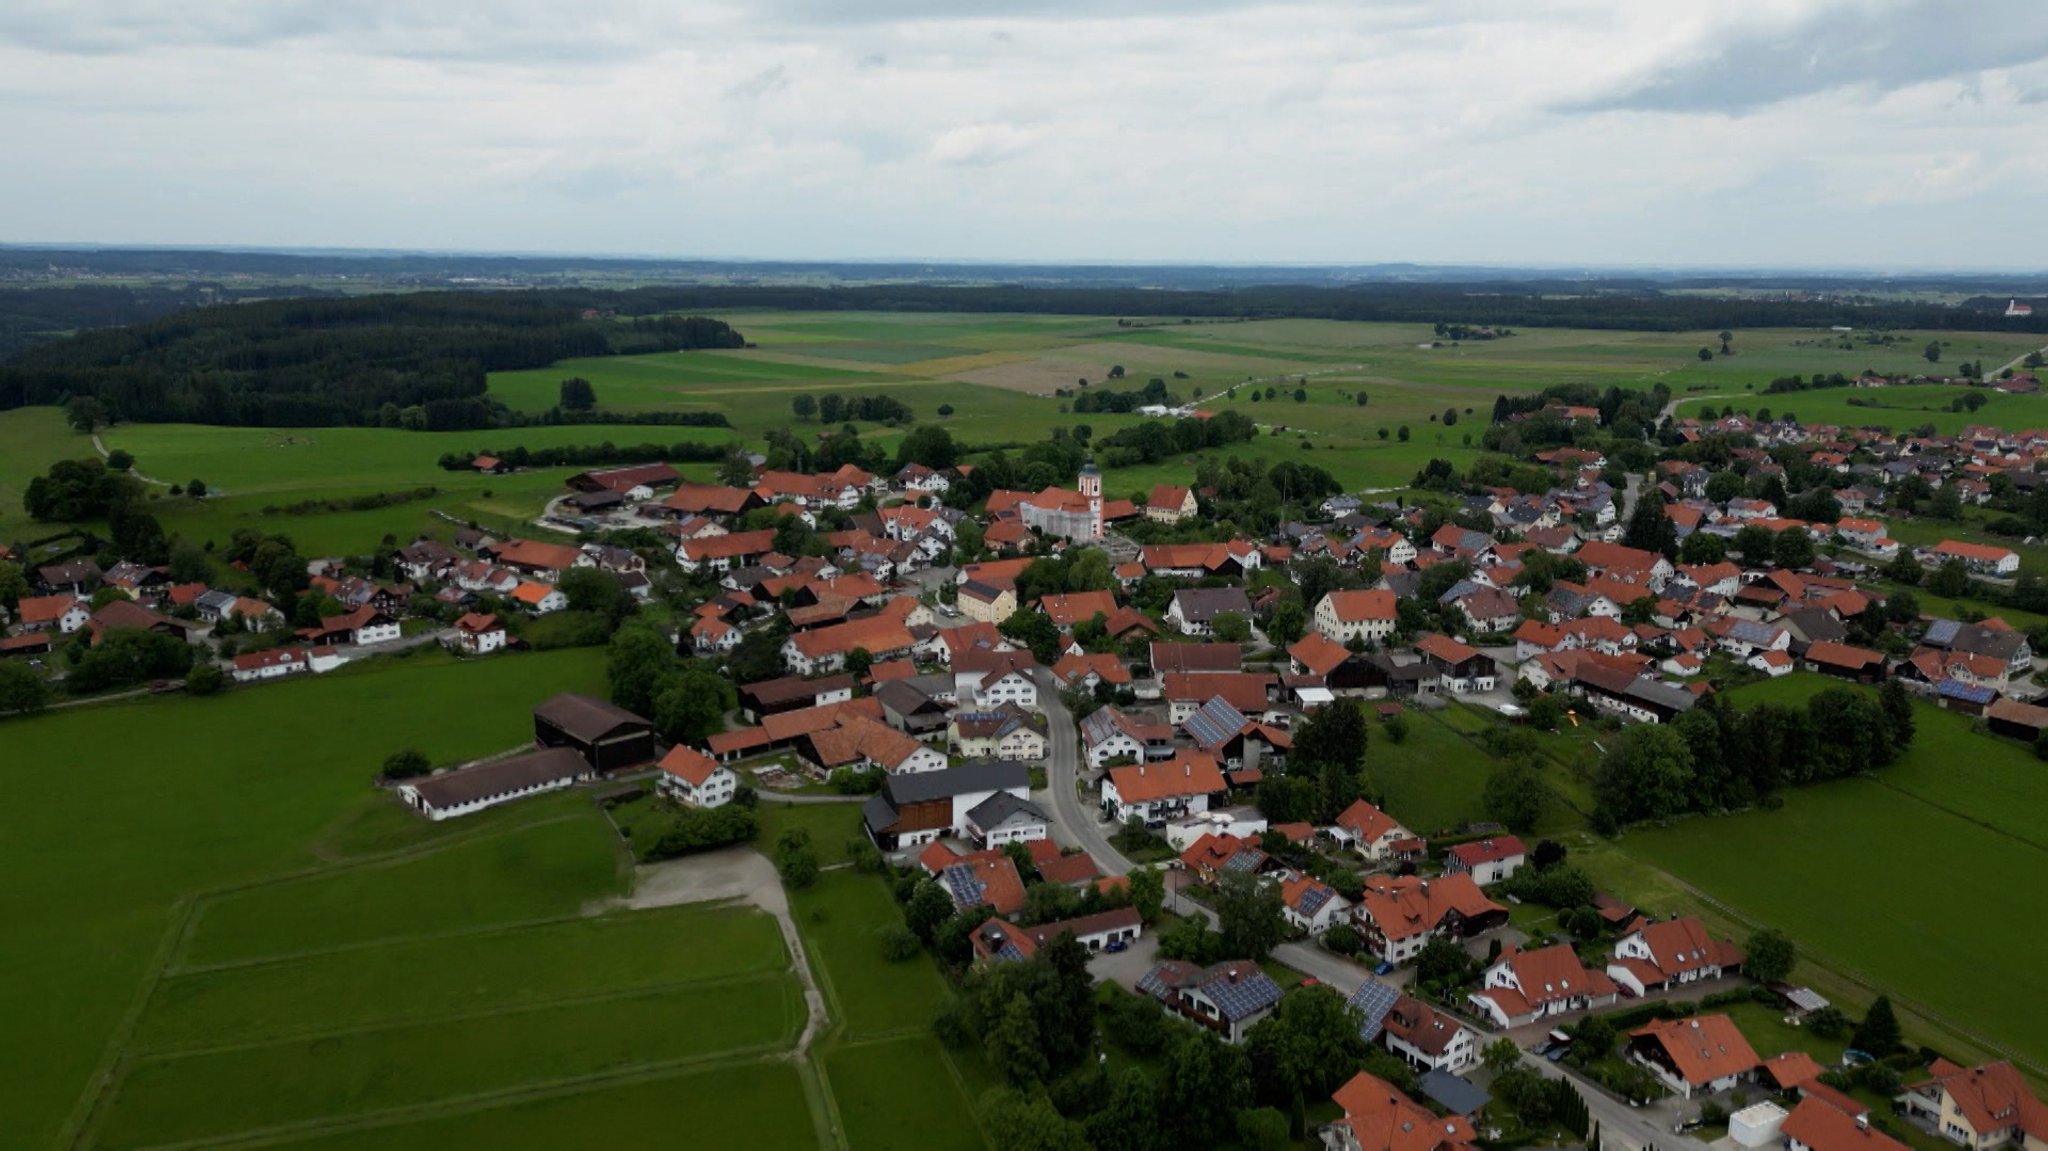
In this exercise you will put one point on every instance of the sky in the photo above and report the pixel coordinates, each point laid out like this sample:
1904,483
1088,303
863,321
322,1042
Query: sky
1871,134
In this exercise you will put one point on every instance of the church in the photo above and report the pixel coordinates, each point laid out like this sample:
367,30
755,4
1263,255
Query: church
1063,512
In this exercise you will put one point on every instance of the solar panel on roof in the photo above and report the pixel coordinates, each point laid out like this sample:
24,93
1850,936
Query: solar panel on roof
1215,722
966,887
1313,899
1247,996
1372,1001
1942,632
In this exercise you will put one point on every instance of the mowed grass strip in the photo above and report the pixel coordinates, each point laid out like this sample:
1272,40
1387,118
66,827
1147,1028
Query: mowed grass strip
758,1105
222,1093
841,918
458,975
532,873
1871,880
880,1115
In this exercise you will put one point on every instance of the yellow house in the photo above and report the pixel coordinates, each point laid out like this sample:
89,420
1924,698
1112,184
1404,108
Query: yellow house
987,604
1979,1107
1169,505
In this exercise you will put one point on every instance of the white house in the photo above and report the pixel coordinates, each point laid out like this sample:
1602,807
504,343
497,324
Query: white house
252,667
1003,819
1487,861
479,634
1167,789
1670,953
1311,905
1427,1038
1525,986
540,598
690,777
1346,615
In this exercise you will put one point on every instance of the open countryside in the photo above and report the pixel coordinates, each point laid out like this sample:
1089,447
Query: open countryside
527,975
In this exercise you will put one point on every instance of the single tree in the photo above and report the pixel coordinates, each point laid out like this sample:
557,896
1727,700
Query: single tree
407,764
803,405
1879,1032
1769,955
196,489
577,395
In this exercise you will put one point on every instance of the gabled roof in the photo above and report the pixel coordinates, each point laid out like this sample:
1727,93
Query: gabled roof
1366,822
689,765
1381,1118
1318,653
1702,1048
1820,1125
1354,606
1187,773
1992,1097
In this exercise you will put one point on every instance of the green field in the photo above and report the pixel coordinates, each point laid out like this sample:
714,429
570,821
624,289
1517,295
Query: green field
869,1082
841,918
1433,780
118,816
1875,876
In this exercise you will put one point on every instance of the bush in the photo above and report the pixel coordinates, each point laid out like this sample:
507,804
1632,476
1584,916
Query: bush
698,829
204,679
1828,1023
898,944
408,764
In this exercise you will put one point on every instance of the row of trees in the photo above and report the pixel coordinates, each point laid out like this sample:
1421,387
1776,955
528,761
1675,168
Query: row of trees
1719,758
605,454
301,362
832,408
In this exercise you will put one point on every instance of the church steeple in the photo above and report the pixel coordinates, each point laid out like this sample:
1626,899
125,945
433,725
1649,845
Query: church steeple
1091,487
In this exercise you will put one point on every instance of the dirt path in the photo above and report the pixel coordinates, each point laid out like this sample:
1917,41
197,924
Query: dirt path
2013,365
735,874
101,448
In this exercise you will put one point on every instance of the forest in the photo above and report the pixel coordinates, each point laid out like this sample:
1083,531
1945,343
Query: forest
317,362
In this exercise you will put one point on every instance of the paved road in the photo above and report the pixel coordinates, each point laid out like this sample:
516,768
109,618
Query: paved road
1629,493
2013,364
1078,818
1621,1126
1671,409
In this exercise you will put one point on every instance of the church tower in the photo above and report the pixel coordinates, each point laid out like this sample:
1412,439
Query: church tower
1091,487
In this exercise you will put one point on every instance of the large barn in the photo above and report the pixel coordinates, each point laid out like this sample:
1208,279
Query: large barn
608,737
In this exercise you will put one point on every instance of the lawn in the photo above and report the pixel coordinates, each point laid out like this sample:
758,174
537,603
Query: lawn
196,1096
759,1105
1432,781
841,918
832,826
541,872
114,814
882,1110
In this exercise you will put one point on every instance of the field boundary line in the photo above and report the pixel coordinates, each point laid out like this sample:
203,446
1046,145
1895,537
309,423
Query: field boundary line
472,1103
321,849
646,991
501,928
1975,821
82,1124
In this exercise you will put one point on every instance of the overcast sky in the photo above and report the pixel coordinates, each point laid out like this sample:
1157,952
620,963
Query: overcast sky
1843,133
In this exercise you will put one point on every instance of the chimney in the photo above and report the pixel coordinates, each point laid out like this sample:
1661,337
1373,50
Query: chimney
1863,1121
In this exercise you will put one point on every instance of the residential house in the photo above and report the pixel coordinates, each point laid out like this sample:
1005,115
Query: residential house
994,678
1159,791
1108,734
1228,998
1343,616
63,613
1980,1107
1464,668
986,603
1487,861
1698,1055
1663,954
539,598
1000,942
1374,834
1378,1117
541,561
1003,819
1193,611
1818,1124
1006,732
1398,915
1169,505
724,552
916,808
1308,904
1426,1038
1524,986
479,634
277,663
694,779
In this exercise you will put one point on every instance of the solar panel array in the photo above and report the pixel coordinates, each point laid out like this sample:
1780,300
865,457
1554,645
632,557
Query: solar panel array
1247,996
1313,899
1942,632
1372,1001
967,888
1215,722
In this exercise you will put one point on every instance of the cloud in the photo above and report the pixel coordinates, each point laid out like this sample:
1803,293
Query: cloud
767,81
1880,45
981,144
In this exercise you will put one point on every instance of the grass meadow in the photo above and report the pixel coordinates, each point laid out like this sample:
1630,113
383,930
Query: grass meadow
117,817
1906,880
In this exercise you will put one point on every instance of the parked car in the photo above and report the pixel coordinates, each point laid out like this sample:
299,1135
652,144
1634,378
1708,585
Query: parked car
1116,945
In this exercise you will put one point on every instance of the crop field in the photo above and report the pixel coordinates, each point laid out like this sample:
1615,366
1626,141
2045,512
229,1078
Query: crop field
1875,876
1898,408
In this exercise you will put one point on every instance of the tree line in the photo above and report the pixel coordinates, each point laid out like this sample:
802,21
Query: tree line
1720,758
315,362
589,455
